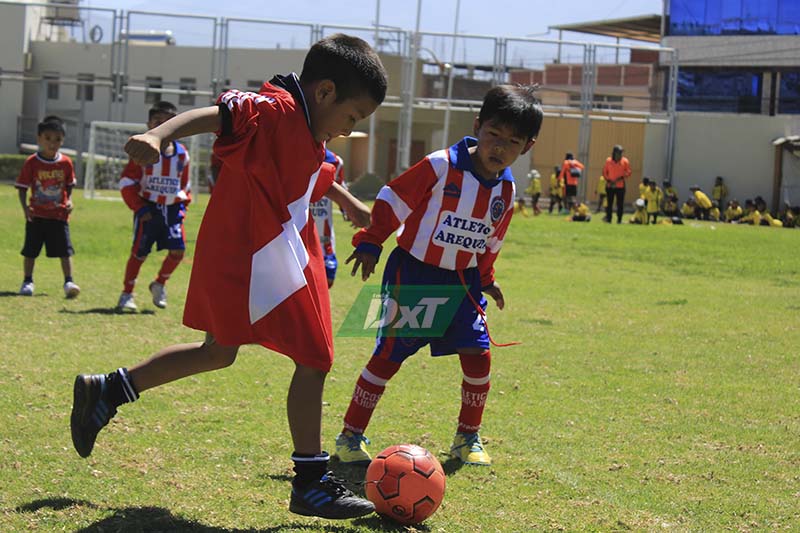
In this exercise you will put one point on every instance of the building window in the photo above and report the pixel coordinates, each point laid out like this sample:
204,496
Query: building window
85,92
730,91
187,84
52,85
789,93
151,96
743,17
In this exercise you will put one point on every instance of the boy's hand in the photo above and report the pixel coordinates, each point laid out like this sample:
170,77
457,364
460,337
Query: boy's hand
68,206
366,260
144,148
27,211
494,291
358,214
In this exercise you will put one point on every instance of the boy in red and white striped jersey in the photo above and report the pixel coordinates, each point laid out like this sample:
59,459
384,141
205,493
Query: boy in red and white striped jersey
453,209
158,195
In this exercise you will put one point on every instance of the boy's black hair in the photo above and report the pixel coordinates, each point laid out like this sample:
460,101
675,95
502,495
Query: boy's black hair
51,123
162,107
350,63
516,106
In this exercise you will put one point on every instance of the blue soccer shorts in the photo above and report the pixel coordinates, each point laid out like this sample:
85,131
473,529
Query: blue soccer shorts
466,329
164,229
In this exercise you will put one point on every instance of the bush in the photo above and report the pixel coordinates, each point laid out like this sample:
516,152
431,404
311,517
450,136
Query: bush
10,165
366,187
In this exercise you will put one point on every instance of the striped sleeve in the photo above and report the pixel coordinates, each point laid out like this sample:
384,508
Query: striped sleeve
130,186
396,201
495,240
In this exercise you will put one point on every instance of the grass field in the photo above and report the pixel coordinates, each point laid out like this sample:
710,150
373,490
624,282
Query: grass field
657,388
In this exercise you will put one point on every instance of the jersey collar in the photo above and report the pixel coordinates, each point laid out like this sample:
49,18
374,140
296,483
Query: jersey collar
461,159
291,84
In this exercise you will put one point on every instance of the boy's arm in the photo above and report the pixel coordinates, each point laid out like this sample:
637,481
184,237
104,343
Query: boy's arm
129,186
23,196
356,211
145,148
487,258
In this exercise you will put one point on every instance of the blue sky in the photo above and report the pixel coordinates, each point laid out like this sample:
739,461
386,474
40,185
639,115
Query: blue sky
494,17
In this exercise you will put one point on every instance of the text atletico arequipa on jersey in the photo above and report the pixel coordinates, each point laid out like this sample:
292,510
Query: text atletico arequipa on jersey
165,182
258,276
444,213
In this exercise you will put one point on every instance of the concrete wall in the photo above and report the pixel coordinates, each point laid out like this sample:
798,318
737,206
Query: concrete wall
12,62
737,147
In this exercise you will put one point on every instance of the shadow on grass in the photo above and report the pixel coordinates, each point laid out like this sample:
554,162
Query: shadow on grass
159,519
106,311
9,294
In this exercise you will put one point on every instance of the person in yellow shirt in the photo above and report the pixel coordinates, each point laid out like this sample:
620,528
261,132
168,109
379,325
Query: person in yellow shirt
643,186
640,215
580,212
689,209
555,190
713,213
702,203
720,191
670,206
601,194
751,216
652,198
669,190
766,217
733,212
534,190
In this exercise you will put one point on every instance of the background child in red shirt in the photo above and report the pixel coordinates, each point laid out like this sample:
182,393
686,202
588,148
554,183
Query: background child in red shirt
50,176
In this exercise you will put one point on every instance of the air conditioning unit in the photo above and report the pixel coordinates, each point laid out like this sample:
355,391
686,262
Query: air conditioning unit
68,14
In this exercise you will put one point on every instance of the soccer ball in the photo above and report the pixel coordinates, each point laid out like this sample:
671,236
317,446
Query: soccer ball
406,483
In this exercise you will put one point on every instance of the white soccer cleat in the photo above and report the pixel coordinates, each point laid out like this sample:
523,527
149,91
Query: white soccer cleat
126,302
26,289
71,290
159,293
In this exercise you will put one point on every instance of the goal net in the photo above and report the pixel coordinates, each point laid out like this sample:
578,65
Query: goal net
106,158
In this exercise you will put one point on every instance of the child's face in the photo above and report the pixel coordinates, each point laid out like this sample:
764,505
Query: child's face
331,119
49,142
498,147
158,119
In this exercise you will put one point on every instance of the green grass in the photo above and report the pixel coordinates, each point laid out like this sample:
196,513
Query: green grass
656,389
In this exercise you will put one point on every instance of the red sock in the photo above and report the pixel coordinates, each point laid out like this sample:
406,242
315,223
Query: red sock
132,272
369,389
169,265
474,390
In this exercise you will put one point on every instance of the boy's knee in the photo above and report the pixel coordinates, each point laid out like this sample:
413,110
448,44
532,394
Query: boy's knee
222,356
176,254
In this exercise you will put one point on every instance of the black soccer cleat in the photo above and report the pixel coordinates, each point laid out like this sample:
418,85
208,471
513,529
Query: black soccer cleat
91,411
328,498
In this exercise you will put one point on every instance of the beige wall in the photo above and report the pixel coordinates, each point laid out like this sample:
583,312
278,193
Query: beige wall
12,40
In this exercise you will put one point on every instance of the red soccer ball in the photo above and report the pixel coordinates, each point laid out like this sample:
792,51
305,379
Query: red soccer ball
406,483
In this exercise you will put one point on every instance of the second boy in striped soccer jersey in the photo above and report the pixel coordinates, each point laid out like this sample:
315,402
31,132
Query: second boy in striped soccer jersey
455,206
322,211
158,195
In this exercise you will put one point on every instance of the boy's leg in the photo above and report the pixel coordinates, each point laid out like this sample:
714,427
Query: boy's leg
467,445
97,396
27,267
368,391
132,268
314,490
171,262
620,193
71,289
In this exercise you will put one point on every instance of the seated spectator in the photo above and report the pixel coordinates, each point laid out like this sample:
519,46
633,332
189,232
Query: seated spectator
751,215
733,212
702,203
670,207
580,212
713,213
688,209
640,215
766,217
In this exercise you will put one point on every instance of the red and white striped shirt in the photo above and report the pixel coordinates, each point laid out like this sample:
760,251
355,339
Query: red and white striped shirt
165,182
447,215
322,211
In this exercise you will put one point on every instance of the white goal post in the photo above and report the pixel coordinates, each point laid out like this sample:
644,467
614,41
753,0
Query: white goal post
106,157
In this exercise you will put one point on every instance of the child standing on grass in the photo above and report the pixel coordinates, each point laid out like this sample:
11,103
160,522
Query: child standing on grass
258,275
158,194
50,176
455,206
